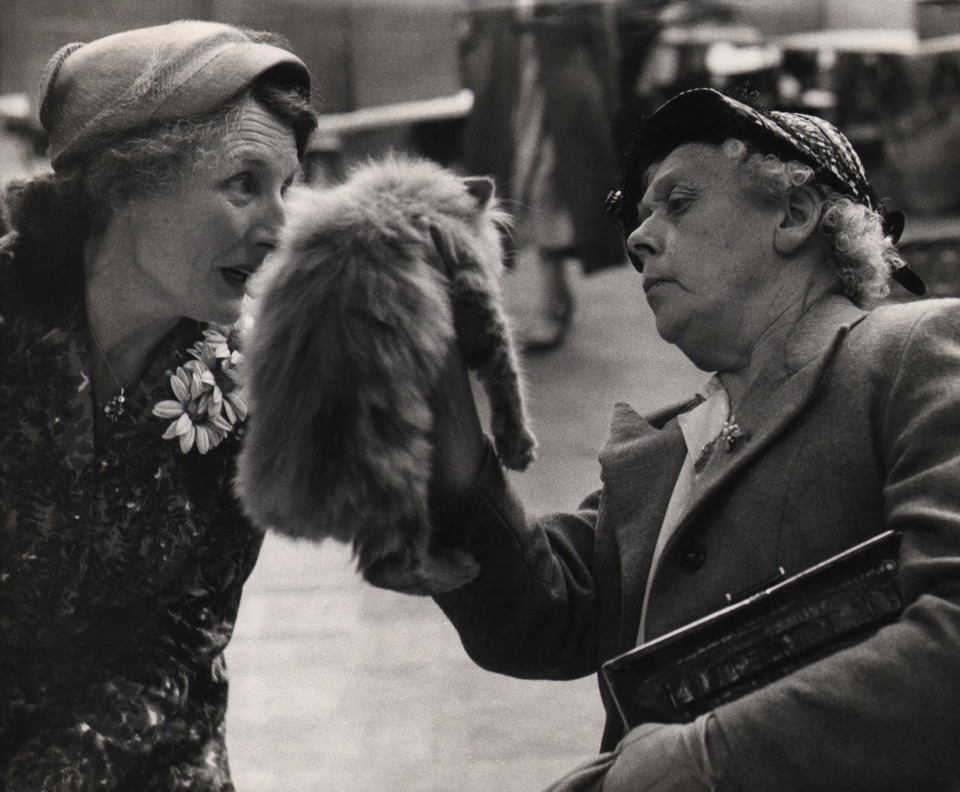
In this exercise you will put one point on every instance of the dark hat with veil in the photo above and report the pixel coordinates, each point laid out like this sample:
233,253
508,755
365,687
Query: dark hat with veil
703,115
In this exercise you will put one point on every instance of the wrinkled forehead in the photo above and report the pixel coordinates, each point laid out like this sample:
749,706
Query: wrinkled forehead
707,116
258,133
700,162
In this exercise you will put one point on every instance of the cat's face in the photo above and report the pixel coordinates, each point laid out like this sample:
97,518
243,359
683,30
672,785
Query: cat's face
466,225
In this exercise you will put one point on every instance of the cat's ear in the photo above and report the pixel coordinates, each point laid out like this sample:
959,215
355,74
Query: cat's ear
481,188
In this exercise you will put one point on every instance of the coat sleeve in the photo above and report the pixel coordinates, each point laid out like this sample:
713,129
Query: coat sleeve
532,611
885,714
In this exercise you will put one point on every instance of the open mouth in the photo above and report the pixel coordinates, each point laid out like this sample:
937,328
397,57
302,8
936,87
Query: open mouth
236,275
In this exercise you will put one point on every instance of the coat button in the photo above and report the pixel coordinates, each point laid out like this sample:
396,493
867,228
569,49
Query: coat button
692,556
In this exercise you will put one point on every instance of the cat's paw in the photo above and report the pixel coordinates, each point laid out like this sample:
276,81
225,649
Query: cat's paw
441,571
446,570
516,449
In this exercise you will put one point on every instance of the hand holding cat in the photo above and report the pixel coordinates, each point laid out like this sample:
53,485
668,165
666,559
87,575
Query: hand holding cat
458,439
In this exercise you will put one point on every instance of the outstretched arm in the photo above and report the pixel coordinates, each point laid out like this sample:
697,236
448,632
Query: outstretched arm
531,610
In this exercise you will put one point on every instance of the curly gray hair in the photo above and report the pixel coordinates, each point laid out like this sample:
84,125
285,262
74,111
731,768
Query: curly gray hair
862,256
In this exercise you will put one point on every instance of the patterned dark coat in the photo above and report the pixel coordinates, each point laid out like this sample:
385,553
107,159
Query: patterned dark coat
120,576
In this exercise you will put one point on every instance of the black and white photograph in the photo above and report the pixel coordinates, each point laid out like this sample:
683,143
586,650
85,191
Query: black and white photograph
479,396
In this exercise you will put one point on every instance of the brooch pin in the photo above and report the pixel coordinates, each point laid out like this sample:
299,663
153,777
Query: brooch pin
729,434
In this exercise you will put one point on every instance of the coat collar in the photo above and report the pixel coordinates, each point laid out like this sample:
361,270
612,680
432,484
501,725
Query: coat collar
643,457
639,466
58,359
779,394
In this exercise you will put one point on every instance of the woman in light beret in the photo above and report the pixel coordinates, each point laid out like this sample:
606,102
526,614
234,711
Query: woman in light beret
123,549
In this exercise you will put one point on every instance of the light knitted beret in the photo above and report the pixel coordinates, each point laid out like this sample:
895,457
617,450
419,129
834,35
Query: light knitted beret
92,94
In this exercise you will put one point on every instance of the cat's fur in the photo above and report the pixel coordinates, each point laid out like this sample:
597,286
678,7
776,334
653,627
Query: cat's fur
353,318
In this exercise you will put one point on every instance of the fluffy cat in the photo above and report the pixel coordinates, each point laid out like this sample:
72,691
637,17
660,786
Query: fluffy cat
352,321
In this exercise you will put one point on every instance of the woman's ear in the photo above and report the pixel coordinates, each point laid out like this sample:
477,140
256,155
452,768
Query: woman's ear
801,216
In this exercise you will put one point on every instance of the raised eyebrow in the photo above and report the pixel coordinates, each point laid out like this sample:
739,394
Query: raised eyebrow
253,153
253,162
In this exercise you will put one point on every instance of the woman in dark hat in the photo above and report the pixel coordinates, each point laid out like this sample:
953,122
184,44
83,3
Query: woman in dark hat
124,551
828,419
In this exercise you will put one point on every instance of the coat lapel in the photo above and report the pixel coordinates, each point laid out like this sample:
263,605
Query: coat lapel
778,396
639,465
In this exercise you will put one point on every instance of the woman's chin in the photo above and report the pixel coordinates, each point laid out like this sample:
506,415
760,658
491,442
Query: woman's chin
227,312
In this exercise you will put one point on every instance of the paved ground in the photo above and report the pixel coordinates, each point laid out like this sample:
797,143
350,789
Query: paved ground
339,687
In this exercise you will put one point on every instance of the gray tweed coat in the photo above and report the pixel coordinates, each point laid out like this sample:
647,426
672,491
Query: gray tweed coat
855,430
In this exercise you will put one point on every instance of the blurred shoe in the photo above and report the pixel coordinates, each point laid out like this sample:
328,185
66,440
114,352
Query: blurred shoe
549,330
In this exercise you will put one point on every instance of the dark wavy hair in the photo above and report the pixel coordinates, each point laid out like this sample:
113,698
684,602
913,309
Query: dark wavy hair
50,217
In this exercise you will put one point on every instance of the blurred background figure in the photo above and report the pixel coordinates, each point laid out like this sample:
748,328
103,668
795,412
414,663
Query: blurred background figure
544,77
